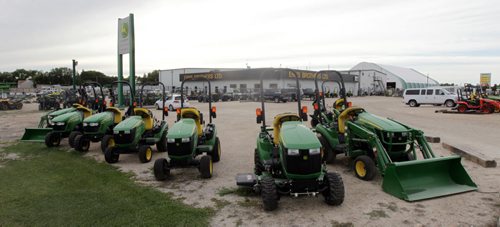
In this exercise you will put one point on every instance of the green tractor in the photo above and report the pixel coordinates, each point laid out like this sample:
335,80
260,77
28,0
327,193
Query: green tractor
391,147
188,139
138,132
70,124
288,160
99,127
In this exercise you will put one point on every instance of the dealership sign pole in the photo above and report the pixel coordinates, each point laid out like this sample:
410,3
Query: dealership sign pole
126,45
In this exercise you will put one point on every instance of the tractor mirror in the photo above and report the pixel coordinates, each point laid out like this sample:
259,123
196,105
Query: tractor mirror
258,112
213,112
303,114
165,111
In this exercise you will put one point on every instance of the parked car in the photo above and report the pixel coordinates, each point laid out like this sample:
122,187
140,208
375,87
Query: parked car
204,98
172,102
229,96
308,93
415,97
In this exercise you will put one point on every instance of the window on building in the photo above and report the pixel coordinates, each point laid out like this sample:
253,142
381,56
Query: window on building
256,86
243,86
273,86
233,86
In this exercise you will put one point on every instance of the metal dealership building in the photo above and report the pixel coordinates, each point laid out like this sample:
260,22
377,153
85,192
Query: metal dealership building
364,78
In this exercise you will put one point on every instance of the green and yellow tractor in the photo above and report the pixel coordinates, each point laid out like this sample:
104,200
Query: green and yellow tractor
288,160
70,124
138,132
377,143
189,138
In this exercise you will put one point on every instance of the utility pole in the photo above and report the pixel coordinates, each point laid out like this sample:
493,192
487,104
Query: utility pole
75,63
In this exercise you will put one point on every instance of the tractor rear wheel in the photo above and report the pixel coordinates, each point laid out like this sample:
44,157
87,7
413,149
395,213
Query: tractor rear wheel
269,193
161,169
258,167
52,139
216,151
161,146
329,154
81,143
111,155
145,153
462,108
106,142
206,167
364,168
334,194
487,108
71,138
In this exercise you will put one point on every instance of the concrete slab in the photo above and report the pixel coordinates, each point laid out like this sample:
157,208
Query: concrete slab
471,155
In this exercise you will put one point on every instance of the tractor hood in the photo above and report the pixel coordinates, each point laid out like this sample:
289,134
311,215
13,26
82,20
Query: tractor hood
99,118
130,123
184,128
61,111
369,120
295,135
75,115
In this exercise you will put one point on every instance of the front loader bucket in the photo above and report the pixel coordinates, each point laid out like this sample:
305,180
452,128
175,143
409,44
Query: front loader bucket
427,178
35,134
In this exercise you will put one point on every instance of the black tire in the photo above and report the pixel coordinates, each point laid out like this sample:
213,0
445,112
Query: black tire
161,169
107,141
269,193
413,103
52,139
216,151
364,168
258,166
161,146
81,143
71,138
145,153
335,193
170,108
449,103
206,166
314,122
329,154
111,155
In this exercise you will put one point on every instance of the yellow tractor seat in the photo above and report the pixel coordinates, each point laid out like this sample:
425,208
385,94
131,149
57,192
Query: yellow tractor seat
278,120
339,103
194,114
86,111
344,116
118,115
147,117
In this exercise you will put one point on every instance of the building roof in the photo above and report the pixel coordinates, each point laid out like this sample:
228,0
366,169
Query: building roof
408,76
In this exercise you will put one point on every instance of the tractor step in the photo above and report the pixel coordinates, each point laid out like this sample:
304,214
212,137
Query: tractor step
340,148
205,148
246,179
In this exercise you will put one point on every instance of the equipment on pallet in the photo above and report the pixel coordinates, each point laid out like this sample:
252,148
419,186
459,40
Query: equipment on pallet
379,143
288,159
138,132
8,104
189,138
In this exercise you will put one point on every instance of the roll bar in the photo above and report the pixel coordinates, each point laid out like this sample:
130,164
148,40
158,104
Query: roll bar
209,96
163,95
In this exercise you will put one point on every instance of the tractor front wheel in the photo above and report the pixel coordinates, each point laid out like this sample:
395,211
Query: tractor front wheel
462,108
206,166
111,155
216,151
329,154
71,138
106,142
161,146
81,143
269,193
52,139
161,169
334,194
258,167
364,168
145,153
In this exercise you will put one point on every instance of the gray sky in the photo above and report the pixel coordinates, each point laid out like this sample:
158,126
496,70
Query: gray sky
451,40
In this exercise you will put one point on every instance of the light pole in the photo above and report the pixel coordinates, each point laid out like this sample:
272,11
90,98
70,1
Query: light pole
75,63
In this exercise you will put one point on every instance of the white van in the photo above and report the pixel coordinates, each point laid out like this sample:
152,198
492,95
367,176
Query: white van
433,96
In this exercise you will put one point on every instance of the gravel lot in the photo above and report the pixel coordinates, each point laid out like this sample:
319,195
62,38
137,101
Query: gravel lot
365,202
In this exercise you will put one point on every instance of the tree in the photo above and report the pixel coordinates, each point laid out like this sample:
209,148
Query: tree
150,77
95,76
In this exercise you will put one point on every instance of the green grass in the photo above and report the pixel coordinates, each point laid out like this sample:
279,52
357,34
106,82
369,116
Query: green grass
53,187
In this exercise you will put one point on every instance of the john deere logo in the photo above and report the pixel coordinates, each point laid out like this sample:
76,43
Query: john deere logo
124,30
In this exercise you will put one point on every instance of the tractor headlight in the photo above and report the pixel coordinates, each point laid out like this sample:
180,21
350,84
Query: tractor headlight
404,134
293,152
170,140
185,140
126,132
85,124
116,132
314,151
59,123
96,124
